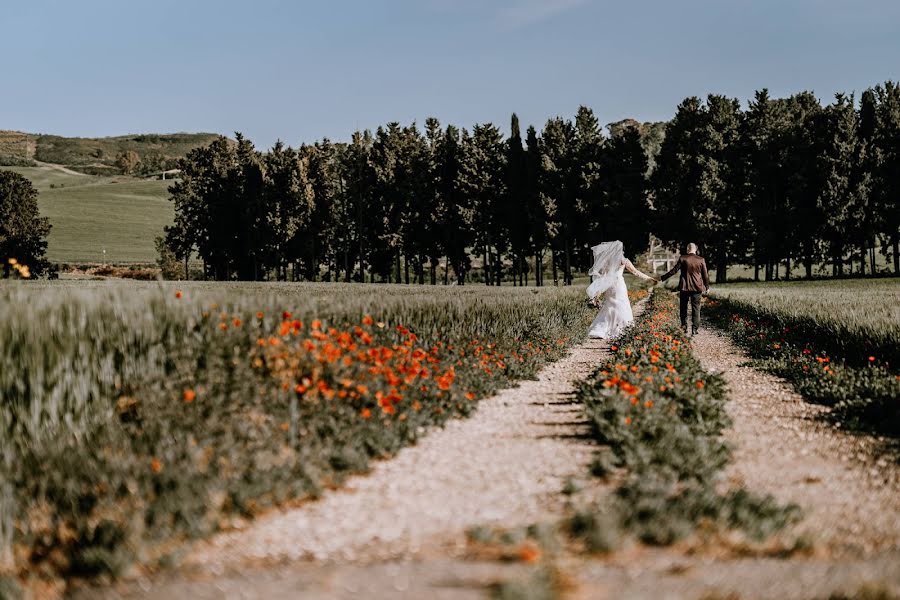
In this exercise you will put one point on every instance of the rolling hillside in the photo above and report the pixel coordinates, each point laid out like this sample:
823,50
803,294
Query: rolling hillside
92,206
90,213
98,156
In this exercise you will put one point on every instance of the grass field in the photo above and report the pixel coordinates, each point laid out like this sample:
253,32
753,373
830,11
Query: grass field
837,342
861,309
122,215
138,414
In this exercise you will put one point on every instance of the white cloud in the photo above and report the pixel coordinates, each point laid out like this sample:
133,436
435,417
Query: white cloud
508,14
522,13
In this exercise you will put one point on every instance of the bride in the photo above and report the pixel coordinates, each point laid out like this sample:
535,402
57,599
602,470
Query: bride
607,279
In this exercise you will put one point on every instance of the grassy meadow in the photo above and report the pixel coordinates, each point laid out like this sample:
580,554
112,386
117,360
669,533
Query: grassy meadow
837,342
137,416
120,214
849,312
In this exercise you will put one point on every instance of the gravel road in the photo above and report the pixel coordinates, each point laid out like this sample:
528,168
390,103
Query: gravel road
504,465
848,490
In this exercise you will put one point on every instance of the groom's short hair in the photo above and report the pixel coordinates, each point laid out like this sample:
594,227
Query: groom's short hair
692,248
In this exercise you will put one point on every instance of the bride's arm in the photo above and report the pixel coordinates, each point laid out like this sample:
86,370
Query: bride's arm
631,269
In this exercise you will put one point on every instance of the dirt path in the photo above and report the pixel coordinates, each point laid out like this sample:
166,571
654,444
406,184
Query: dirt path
61,168
505,465
399,532
849,494
848,491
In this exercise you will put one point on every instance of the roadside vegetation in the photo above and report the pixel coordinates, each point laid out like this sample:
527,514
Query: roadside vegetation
137,417
837,342
660,418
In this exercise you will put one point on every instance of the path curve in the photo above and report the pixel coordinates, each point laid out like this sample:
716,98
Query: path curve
850,495
504,465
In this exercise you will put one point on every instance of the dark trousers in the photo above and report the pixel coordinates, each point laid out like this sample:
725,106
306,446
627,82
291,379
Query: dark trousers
694,299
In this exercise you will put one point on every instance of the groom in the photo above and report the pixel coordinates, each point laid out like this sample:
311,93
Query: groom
693,282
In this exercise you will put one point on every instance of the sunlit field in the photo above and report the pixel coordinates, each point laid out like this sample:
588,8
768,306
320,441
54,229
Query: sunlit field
135,414
837,341
89,214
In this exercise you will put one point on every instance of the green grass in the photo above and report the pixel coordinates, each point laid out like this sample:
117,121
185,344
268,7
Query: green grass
106,459
89,214
837,342
864,310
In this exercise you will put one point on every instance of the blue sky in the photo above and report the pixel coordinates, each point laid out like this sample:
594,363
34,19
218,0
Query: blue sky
299,70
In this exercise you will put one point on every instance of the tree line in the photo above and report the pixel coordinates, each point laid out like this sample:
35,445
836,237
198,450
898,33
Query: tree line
397,204
785,184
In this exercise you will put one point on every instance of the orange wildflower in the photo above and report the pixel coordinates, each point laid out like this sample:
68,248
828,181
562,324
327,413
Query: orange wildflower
178,295
189,395
470,395
628,420
700,385
259,315
316,324
236,322
155,465
529,553
368,321
366,413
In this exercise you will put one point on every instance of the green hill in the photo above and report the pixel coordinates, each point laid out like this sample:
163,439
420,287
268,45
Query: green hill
98,156
121,214
92,206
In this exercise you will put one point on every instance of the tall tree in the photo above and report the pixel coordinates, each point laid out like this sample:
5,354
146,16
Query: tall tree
483,177
23,232
886,179
515,212
540,209
626,211
560,185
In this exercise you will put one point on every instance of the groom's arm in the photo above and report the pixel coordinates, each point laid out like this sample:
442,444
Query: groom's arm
672,271
705,274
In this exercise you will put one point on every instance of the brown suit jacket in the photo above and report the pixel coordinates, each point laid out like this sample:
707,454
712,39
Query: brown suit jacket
694,277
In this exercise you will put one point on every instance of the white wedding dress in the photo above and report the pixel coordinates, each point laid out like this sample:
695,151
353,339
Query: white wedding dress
608,279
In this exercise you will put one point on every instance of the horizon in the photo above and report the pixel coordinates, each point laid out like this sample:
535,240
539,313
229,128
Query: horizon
302,72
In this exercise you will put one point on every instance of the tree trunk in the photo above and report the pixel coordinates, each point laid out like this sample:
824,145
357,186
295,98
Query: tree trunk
567,274
895,242
553,263
787,267
447,270
721,263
